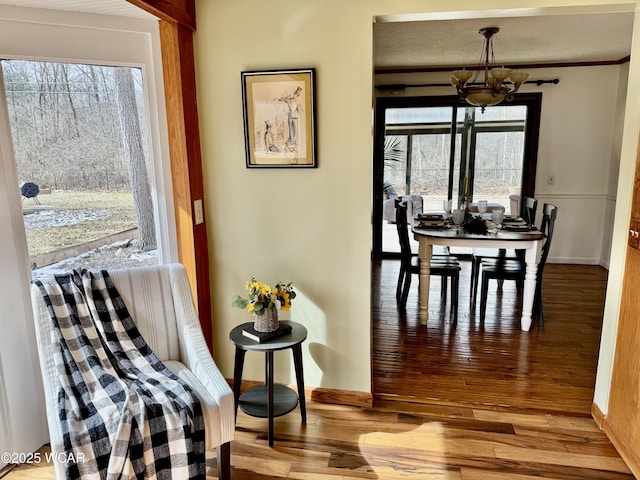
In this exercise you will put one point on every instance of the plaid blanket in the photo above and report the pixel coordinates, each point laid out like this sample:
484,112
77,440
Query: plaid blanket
123,413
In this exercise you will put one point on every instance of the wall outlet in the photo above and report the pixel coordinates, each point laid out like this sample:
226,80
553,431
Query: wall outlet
197,210
551,179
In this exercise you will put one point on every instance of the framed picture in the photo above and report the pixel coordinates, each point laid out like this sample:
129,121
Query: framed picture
280,118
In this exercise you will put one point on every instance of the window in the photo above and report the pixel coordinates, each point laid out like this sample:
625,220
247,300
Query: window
429,144
81,147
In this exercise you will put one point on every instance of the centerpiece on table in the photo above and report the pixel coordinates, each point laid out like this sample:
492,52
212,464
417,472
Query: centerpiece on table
471,223
476,225
263,301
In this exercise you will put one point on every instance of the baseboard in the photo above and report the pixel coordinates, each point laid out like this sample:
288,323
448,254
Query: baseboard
342,397
630,457
574,260
598,416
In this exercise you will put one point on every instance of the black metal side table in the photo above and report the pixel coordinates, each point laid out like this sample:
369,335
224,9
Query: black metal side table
269,400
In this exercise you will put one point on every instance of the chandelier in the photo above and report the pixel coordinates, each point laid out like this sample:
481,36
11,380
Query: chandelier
493,89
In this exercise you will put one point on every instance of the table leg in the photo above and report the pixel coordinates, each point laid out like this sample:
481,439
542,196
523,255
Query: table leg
528,295
425,253
269,381
237,375
297,361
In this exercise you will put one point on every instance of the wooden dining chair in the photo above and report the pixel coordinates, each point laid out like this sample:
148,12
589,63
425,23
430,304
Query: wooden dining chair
444,266
529,209
528,214
514,269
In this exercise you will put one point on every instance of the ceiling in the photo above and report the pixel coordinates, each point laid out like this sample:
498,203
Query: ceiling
454,43
521,40
120,8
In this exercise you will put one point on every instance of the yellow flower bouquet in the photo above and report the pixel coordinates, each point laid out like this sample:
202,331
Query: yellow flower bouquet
261,297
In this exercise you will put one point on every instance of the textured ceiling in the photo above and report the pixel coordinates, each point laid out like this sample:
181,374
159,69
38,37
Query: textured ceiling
538,39
453,43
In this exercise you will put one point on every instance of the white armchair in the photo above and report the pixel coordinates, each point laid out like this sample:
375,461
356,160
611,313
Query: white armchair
160,302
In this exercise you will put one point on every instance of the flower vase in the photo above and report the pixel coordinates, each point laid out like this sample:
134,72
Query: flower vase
267,322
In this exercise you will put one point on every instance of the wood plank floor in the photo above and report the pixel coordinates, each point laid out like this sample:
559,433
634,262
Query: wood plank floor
459,401
491,364
429,442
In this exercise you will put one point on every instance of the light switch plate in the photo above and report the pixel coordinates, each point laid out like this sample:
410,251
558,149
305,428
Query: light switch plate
197,209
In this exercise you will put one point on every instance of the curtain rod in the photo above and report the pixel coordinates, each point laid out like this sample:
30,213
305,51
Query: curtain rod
402,86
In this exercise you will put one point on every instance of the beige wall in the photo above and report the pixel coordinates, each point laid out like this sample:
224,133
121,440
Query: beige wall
309,226
322,242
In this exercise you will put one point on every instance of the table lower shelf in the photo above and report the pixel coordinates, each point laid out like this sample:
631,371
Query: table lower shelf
254,401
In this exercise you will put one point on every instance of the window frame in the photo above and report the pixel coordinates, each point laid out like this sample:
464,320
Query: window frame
533,102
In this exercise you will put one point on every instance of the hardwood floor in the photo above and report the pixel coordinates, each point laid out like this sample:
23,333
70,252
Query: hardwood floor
428,442
454,401
491,364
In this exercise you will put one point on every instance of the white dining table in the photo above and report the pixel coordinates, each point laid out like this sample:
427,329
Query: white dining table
530,241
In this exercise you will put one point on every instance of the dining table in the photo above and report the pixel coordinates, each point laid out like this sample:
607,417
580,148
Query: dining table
530,240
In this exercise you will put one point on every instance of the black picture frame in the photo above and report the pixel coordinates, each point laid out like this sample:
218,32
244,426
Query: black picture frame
279,109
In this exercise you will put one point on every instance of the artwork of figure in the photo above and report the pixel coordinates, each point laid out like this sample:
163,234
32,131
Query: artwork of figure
294,109
269,141
279,118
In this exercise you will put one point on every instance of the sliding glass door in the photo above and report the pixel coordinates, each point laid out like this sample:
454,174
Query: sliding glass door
428,149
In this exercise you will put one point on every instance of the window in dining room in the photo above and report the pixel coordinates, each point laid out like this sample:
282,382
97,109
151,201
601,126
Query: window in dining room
431,148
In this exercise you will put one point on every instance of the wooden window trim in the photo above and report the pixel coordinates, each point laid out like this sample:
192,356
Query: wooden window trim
177,24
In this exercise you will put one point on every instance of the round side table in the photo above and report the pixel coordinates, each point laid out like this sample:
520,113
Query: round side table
269,400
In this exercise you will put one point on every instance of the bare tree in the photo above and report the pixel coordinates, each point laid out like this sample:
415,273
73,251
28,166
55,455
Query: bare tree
67,87
66,126
132,138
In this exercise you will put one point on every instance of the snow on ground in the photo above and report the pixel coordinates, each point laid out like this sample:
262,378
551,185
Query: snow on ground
60,218
122,254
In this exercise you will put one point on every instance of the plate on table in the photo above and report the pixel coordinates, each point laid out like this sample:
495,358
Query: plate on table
512,218
431,225
516,227
429,217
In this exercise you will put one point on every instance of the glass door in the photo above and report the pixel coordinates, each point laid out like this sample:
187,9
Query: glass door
431,152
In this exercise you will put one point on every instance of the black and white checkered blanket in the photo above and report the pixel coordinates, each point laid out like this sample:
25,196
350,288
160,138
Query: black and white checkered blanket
123,413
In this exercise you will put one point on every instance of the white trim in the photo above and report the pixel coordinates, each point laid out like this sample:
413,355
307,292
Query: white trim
5,419
18,340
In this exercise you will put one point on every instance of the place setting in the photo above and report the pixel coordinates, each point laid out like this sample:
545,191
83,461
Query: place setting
431,221
514,223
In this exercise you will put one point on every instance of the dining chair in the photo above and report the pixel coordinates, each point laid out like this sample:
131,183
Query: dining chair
528,214
514,269
529,209
443,266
